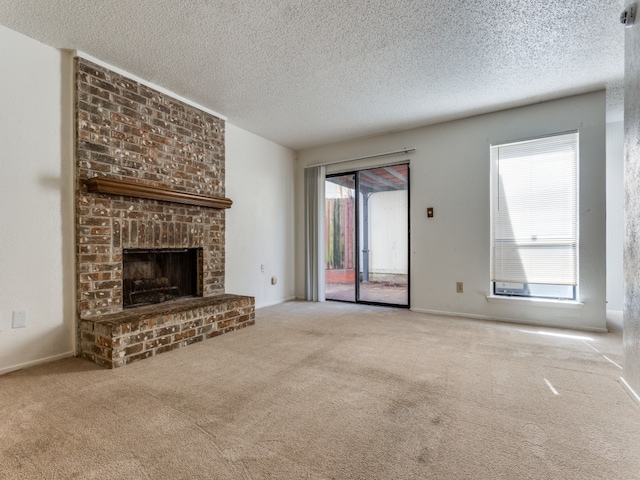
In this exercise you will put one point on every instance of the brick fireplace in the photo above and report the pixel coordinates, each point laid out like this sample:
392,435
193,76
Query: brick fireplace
149,178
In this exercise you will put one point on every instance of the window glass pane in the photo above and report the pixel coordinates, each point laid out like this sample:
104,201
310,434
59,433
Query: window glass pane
340,246
534,290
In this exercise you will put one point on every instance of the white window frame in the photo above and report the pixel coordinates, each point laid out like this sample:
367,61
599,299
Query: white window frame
526,222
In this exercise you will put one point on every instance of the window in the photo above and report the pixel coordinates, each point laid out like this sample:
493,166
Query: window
534,217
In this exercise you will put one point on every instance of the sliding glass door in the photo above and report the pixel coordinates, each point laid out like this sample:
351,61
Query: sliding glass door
367,236
340,238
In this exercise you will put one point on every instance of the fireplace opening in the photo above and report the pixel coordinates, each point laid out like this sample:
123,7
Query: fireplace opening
160,275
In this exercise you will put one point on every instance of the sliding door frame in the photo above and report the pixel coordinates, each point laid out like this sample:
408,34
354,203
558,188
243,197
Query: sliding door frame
358,246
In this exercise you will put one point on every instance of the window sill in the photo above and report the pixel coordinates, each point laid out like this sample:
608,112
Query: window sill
538,302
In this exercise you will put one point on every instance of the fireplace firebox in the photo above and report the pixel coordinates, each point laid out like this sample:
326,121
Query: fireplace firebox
160,275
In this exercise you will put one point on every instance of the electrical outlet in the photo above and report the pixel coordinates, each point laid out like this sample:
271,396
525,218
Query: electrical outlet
628,16
262,268
459,287
19,319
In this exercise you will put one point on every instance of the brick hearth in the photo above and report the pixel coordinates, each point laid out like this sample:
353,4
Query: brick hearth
116,339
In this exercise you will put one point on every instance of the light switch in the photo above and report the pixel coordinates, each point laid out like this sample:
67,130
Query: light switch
430,212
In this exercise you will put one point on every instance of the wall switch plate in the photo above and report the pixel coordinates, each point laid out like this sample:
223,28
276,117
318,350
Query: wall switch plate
262,268
628,16
19,319
459,287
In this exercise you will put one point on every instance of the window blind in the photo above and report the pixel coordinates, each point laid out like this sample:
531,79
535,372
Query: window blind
534,211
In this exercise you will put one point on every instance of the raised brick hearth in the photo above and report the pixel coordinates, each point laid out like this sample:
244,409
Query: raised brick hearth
119,338
142,141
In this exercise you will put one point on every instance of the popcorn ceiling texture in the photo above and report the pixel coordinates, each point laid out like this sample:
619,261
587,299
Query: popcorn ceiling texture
306,73
631,339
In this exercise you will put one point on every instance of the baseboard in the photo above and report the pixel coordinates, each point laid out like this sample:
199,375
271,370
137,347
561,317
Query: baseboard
33,363
509,320
275,302
634,396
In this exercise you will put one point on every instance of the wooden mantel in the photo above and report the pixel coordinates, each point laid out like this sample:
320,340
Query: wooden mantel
139,190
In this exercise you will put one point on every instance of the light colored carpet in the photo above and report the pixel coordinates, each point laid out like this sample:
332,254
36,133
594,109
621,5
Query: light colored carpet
333,391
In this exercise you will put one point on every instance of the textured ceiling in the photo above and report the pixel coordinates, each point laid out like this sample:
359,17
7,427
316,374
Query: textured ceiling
308,72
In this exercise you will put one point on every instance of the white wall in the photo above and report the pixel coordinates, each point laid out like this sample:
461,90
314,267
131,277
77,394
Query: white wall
36,243
388,232
37,240
615,221
259,225
450,172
